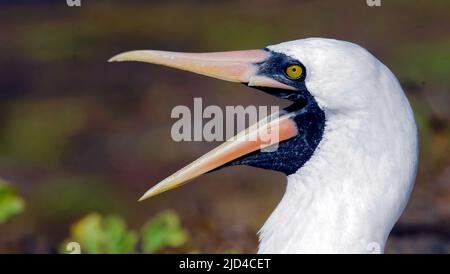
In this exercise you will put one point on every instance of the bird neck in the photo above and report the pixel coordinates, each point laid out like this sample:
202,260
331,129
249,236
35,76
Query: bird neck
351,192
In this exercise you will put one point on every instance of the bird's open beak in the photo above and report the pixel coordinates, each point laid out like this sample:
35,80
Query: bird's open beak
235,66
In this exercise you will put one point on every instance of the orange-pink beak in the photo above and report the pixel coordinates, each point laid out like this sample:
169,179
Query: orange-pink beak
235,66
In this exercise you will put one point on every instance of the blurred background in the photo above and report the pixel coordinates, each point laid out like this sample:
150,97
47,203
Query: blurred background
82,139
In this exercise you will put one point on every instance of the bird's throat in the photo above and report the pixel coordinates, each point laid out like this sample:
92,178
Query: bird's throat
349,195
312,220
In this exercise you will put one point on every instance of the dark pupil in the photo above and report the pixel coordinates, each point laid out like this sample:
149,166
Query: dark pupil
294,69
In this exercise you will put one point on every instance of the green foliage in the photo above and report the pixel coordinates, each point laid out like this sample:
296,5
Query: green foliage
10,204
161,231
98,234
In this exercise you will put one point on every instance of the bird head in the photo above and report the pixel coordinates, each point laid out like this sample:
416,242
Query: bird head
319,76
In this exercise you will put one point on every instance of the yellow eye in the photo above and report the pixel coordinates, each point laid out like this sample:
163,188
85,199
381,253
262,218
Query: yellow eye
294,71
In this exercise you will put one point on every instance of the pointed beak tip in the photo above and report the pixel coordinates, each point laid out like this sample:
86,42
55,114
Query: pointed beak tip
134,55
144,197
148,194
115,58
125,56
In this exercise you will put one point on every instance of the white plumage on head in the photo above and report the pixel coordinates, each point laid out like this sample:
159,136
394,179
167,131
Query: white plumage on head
351,192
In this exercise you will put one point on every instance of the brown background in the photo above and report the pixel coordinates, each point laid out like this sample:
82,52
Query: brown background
80,135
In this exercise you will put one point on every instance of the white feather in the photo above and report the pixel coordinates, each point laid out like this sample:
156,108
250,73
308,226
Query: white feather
351,192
